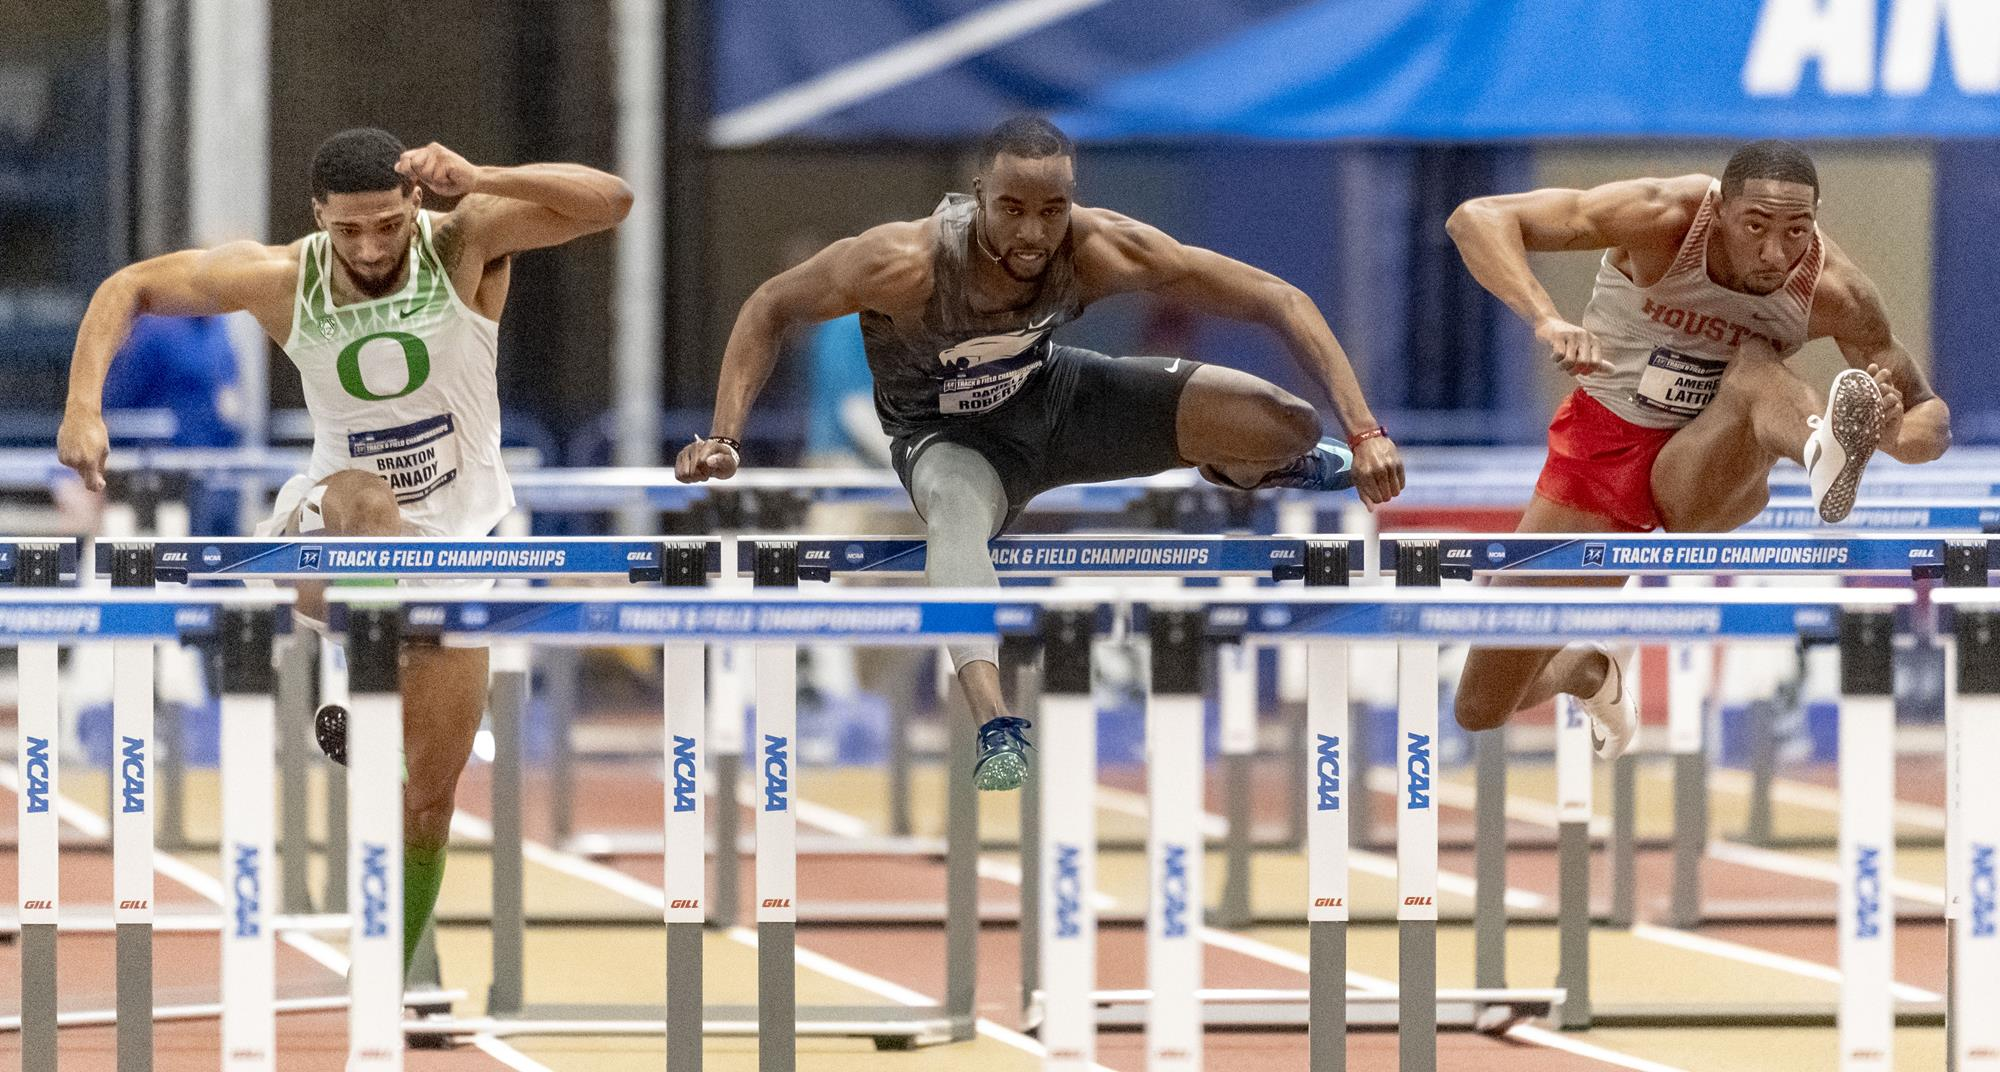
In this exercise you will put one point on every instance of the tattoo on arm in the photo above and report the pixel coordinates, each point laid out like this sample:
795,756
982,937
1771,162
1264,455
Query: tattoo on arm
449,241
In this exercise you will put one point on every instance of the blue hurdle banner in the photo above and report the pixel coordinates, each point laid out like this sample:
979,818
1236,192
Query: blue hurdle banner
70,615
1463,555
69,550
612,617
301,558
1536,616
1980,515
1280,557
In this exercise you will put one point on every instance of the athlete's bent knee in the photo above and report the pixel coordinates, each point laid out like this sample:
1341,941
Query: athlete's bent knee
360,504
1288,426
1476,712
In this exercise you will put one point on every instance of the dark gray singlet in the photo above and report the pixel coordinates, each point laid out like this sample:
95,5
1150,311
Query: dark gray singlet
955,362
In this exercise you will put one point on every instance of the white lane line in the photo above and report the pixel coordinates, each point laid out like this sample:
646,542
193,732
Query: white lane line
1821,798
655,897
507,1055
1126,802
1557,1041
1695,943
1818,870
907,61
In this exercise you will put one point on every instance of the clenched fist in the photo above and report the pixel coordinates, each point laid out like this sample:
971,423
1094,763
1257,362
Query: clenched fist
439,170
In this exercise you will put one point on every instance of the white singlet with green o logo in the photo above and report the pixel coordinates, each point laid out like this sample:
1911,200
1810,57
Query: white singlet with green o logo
404,387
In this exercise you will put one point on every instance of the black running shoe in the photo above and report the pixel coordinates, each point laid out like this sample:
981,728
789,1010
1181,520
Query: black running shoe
330,730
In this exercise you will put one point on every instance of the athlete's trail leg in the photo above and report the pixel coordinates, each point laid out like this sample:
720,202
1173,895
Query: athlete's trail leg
444,694
1500,681
1233,424
963,504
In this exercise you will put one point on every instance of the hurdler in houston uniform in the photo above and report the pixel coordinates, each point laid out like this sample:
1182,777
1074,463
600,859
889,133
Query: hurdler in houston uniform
391,315
1683,402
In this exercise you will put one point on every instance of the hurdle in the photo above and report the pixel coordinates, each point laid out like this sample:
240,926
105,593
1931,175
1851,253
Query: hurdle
203,561
132,620
1973,836
686,619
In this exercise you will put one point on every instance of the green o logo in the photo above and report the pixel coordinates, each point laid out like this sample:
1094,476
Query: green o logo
416,362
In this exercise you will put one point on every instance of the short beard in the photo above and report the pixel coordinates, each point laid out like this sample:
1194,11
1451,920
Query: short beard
373,289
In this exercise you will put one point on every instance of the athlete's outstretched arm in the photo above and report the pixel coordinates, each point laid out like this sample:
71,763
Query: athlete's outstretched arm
193,282
510,209
1495,234
1847,307
885,267
1123,255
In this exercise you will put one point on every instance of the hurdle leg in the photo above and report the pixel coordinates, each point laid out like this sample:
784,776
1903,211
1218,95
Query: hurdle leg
725,727
961,887
1068,759
1867,915
375,849
1416,857
562,668
1329,787
249,838
333,689
1691,668
1573,807
1029,705
1236,686
684,670
38,861
1174,842
296,689
132,823
505,703
1975,844
1624,841
1489,852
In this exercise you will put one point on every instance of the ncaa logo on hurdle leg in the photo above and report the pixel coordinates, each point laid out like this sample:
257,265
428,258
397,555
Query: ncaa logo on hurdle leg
1328,769
1868,892
684,773
1174,892
777,772
1985,891
133,771
374,890
1069,891
248,884
1419,763
37,767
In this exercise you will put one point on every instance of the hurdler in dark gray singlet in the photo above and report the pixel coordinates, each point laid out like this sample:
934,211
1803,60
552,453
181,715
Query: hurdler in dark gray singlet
957,362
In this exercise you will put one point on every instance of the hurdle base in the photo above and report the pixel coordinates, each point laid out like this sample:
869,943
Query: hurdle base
414,1000
888,1026
1809,1014
1490,1011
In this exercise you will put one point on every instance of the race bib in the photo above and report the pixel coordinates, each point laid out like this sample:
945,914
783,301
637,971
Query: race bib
416,459
983,372
1677,383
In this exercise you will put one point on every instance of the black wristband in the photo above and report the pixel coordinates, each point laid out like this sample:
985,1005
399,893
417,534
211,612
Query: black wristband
726,441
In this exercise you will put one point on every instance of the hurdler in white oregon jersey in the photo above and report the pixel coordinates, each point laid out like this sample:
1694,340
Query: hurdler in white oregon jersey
1669,343
403,386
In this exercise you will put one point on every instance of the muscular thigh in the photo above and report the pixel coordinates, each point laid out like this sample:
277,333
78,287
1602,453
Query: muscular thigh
1712,476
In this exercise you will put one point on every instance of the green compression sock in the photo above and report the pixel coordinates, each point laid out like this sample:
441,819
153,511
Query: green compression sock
423,874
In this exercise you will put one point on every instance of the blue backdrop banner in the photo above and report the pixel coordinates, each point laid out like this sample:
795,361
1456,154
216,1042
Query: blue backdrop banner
1340,69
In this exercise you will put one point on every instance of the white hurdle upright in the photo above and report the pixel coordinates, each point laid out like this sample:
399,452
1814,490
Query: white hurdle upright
39,757
1866,912
132,820
249,842
1974,838
1175,776
1068,786
375,839
1416,827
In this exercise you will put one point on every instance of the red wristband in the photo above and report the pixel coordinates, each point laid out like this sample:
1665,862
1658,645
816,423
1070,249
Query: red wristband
1359,438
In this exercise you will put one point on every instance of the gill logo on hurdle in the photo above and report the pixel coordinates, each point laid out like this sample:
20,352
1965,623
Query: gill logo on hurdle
1328,769
374,890
1868,892
684,773
133,771
777,772
1420,771
249,886
1985,892
37,768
